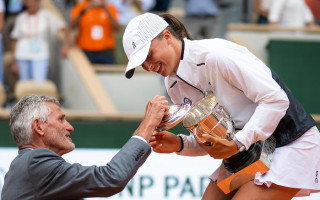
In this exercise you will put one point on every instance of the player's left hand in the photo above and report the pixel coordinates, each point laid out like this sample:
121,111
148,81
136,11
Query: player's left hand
221,148
165,142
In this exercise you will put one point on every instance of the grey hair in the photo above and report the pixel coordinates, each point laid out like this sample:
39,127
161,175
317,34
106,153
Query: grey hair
24,112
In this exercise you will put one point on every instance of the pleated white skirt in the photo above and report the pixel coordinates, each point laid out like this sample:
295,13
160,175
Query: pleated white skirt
296,165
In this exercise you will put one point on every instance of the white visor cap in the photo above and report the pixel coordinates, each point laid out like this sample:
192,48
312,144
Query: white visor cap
137,38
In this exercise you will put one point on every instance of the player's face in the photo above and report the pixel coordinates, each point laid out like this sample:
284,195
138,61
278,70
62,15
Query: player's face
57,131
162,57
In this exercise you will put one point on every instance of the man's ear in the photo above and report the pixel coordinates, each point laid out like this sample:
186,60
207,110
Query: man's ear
37,127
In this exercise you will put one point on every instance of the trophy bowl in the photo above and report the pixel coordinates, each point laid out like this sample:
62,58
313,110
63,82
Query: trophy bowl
208,116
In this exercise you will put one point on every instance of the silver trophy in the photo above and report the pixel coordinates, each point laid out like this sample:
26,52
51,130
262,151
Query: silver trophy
208,116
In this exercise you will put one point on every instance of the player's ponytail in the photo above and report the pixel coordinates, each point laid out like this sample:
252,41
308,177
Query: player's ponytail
176,27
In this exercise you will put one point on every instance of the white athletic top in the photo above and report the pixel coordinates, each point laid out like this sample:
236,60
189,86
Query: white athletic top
241,82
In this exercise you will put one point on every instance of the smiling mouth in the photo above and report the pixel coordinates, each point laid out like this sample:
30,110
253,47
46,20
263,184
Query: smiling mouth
158,68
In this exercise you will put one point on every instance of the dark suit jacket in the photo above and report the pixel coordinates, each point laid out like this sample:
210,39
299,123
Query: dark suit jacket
42,174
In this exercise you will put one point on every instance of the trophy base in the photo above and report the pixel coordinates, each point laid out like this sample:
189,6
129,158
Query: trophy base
228,181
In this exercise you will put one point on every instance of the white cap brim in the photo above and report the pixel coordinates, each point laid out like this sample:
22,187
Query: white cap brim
137,59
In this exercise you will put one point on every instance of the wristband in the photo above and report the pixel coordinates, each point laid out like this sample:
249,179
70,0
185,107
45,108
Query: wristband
182,145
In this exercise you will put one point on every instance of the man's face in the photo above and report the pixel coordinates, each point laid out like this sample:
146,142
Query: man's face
57,131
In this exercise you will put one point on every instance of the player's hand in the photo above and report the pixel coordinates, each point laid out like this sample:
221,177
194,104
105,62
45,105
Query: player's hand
165,142
221,148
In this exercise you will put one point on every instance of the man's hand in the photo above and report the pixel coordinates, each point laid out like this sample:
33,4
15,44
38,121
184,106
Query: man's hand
155,110
221,148
165,142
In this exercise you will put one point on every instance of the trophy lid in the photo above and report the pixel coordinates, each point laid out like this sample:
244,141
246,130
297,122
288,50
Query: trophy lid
175,116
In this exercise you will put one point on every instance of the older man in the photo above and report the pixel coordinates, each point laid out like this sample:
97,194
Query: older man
43,135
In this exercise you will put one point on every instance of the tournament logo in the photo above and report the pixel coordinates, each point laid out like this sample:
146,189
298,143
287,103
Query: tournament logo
187,101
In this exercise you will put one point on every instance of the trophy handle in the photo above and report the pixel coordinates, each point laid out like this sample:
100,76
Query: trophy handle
199,138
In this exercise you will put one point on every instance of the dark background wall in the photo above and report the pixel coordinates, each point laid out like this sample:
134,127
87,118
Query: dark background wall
91,134
298,64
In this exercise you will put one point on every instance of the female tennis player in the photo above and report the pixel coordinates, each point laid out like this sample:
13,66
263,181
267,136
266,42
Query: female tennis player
256,98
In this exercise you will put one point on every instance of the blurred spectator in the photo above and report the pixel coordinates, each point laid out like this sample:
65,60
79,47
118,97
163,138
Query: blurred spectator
143,5
202,18
65,6
293,14
30,41
96,21
261,8
125,11
314,6
12,9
